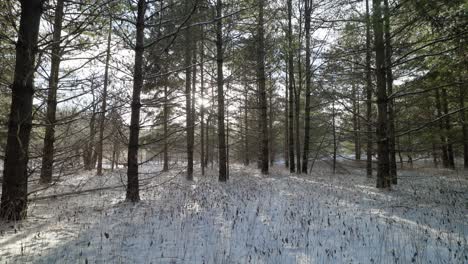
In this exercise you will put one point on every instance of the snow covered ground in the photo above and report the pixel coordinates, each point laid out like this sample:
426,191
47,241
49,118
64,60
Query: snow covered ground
283,218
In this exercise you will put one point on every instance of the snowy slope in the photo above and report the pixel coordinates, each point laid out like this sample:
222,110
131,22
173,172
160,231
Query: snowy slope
318,218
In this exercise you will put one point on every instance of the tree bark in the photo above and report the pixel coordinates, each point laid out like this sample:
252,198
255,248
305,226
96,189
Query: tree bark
165,128
202,108
383,172
292,162
133,189
102,117
15,174
286,120
262,89
448,130
246,126
220,81
443,139
462,95
49,138
334,135
368,94
270,123
188,101
308,73
391,102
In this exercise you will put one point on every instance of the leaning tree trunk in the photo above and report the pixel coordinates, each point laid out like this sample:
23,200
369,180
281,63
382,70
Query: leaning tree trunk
262,89
308,73
49,138
15,175
133,189
389,79
368,95
292,162
220,80
102,117
383,172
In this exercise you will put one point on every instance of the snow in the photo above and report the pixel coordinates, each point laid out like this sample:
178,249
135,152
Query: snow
282,218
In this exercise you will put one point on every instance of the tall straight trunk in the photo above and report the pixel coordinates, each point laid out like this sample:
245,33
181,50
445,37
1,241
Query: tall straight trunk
133,189
165,128
49,138
208,140
262,89
443,139
220,81
193,97
334,135
227,138
15,174
202,108
297,95
383,171
448,128
462,95
368,95
463,91
270,123
188,100
286,121
389,79
297,113
246,126
308,73
102,117
356,127
292,162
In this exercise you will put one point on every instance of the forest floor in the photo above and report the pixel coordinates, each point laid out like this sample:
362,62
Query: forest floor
282,218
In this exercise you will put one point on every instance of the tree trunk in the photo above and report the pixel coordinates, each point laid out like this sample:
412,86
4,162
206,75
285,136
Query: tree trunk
202,110
262,89
389,79
220,81
15,175
165,128
462,95
448,128
368,94
383,172
188,100
49,138
305,154
227,138
286,121
334,136
292,162
356,126
102,117
246,127
443,140
297,108
133,189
